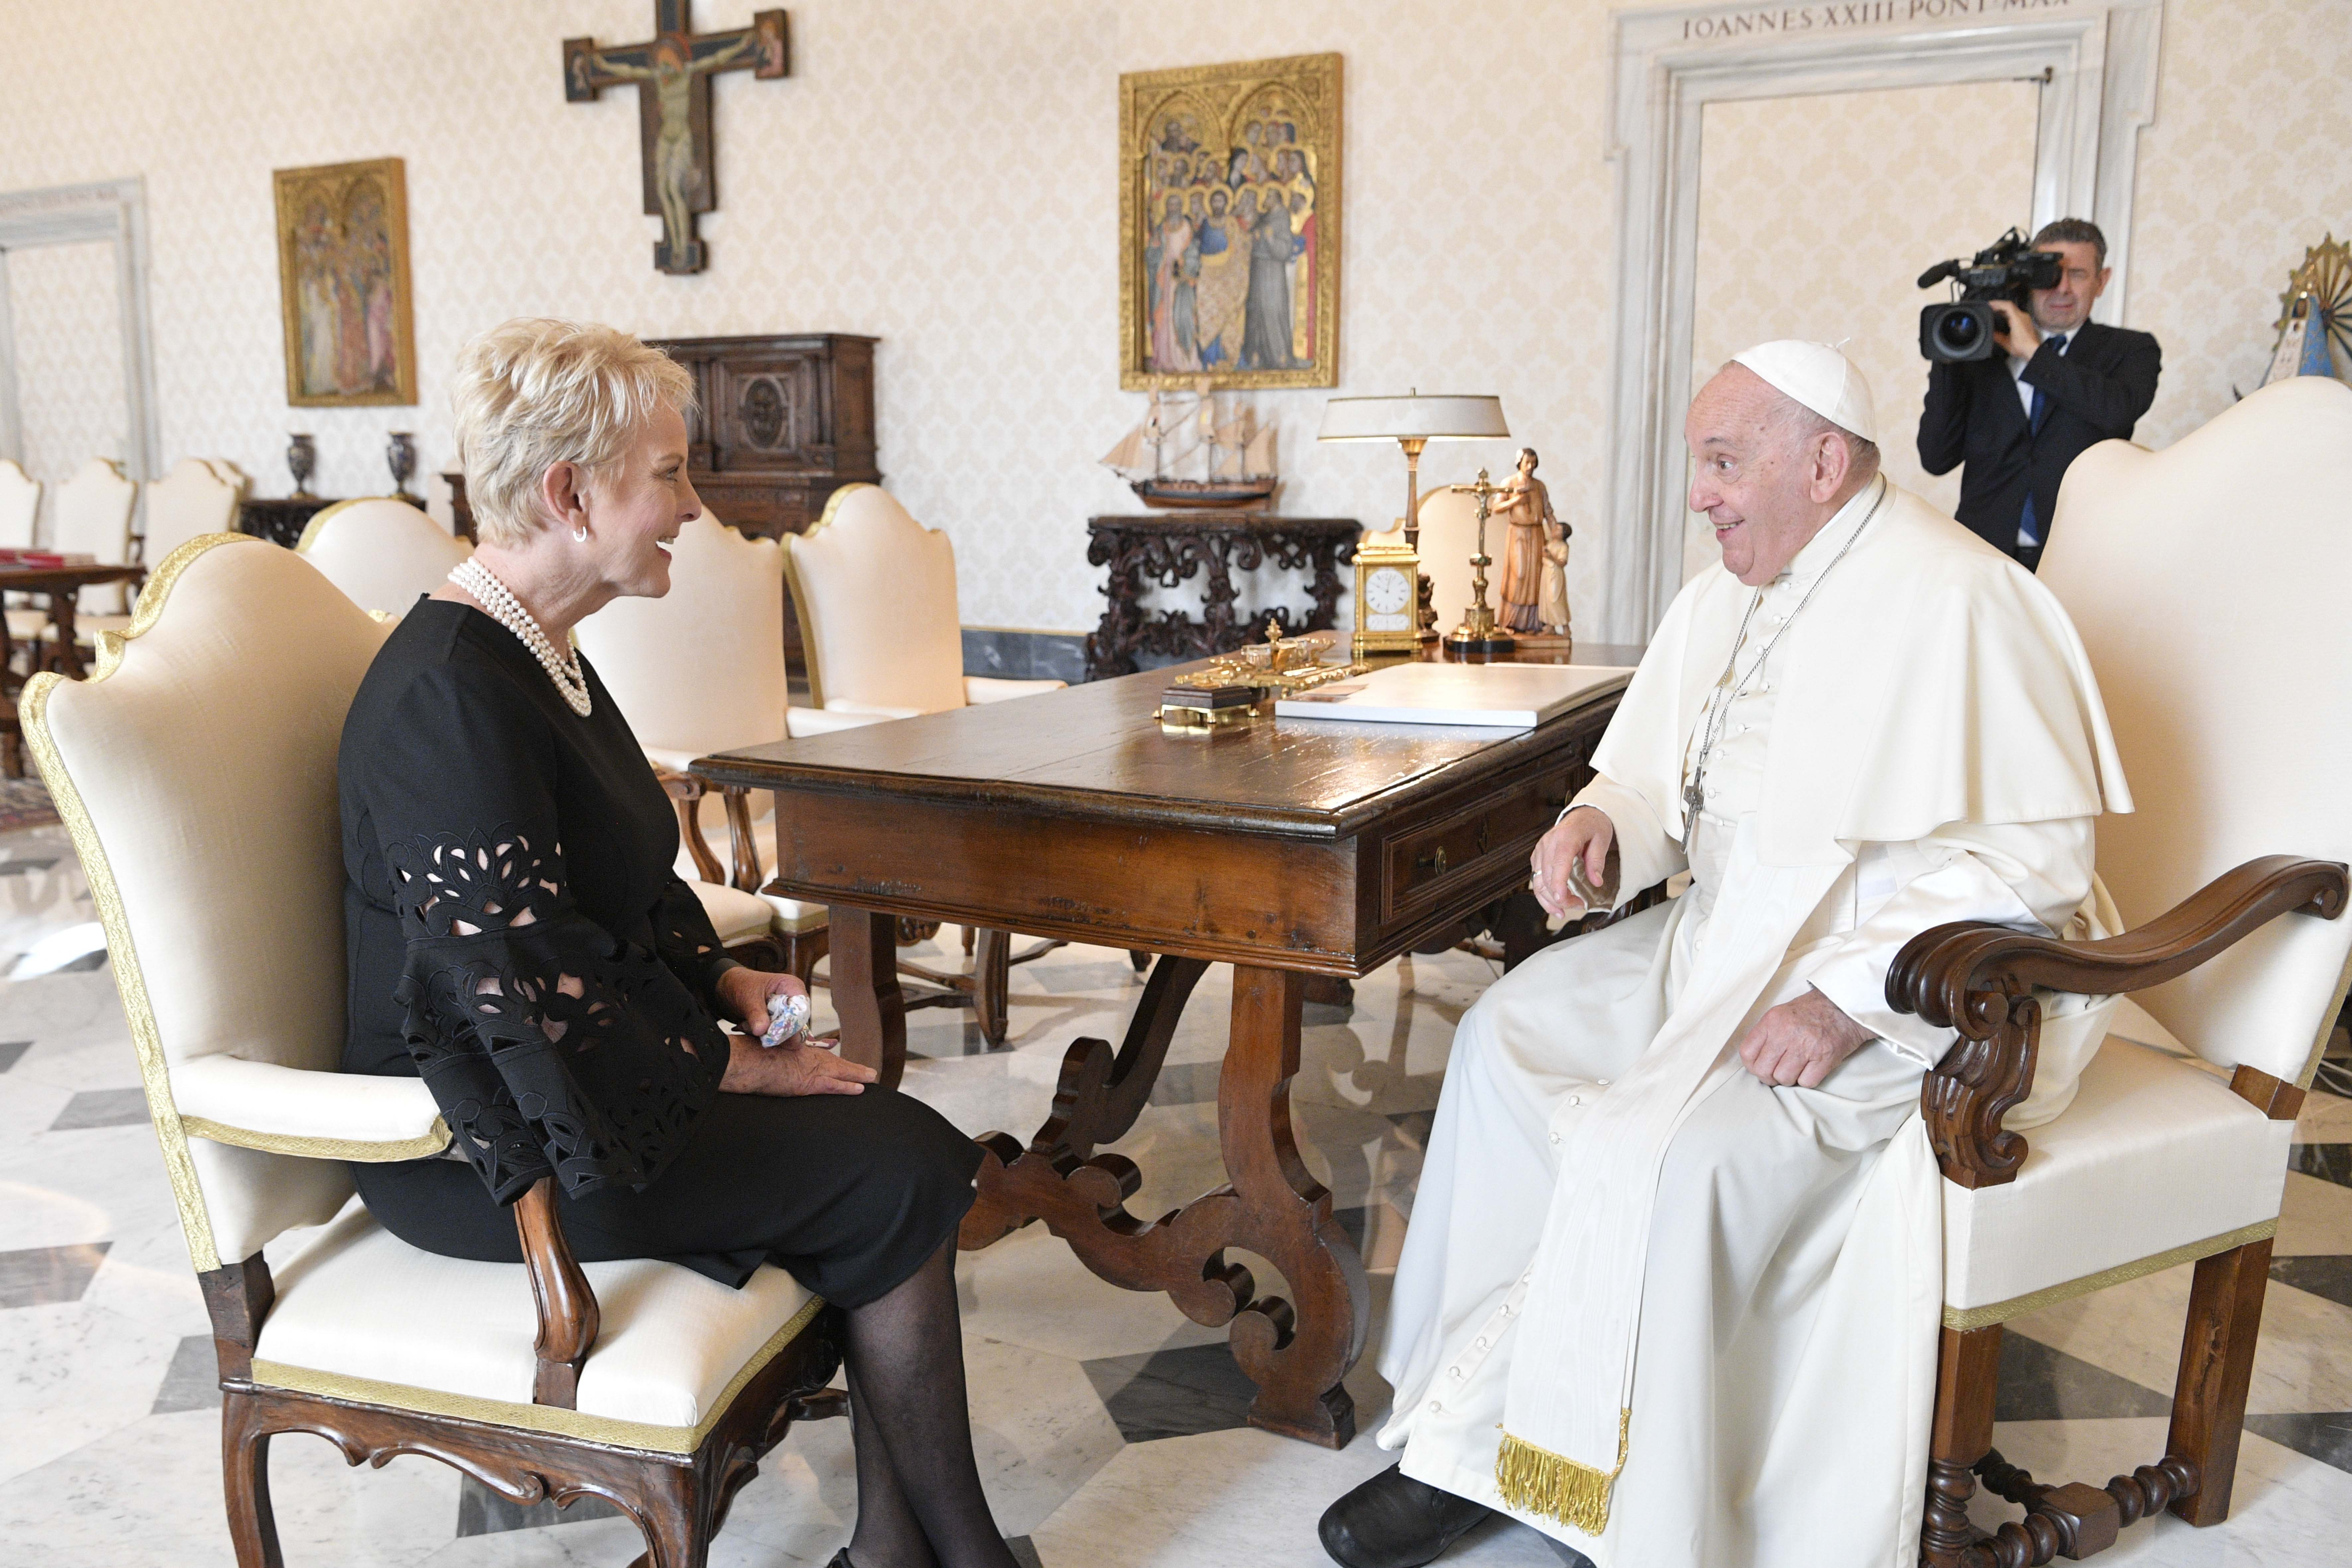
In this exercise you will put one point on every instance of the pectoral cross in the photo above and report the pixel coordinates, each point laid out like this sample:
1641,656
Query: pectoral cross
672,74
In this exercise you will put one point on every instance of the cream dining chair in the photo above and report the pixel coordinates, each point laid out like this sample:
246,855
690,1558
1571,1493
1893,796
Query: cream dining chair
195,772
194,499
383,553
875,591
92,517
20,506
702,669
20,512
2208,581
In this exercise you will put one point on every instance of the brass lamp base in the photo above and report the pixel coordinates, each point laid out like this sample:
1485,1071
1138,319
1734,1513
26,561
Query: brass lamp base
1462,640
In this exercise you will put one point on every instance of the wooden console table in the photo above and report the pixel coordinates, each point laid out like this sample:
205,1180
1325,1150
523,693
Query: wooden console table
281,519
1287,849
1173,548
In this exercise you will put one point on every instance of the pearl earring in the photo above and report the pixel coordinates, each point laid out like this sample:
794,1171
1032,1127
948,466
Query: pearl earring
581,533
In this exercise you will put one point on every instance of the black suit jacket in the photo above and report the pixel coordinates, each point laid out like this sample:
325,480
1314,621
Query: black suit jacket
2095,392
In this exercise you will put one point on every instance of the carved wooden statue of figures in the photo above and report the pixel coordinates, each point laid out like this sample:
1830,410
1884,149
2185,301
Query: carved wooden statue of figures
1525,505
1551,602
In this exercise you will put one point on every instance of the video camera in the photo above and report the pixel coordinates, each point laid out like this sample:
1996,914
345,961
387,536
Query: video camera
2009,269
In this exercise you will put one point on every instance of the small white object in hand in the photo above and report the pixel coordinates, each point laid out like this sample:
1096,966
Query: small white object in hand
787,1015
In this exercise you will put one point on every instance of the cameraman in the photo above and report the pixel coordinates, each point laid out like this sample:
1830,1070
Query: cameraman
2066,383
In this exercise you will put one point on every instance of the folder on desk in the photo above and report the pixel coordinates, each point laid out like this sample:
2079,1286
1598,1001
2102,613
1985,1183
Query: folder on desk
1488,696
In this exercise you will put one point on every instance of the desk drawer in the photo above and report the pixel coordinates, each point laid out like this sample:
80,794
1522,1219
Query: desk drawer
1424,864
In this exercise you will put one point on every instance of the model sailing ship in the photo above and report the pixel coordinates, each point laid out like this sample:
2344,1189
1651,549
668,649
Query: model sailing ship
1237,456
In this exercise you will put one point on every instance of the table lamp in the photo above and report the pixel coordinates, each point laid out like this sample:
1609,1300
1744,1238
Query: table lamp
1413,421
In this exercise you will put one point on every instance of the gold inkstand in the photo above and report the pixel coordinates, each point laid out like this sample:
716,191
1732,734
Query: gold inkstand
1241,686
1480,635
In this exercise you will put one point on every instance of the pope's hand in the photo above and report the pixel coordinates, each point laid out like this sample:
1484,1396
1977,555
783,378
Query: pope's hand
1584,834
2013,331
1801,1042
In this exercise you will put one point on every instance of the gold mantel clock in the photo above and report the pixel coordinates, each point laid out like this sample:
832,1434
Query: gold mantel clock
1386,600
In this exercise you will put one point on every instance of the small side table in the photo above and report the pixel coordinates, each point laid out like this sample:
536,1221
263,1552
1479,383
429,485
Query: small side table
1169,549
280,519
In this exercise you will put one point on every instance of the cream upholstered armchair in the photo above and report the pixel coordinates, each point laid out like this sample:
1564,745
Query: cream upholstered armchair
1449,537
877,596
2209,584
383,553
702,669
641,1381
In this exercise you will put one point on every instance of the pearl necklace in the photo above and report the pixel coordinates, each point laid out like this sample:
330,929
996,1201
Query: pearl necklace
507,610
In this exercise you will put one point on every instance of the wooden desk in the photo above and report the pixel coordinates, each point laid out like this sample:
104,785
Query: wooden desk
63,585
1286,847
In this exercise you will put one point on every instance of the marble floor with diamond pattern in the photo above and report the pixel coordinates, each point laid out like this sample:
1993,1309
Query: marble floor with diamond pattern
1108,1426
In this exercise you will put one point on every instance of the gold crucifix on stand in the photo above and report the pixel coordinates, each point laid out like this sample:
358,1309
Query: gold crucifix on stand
672,74
1479,634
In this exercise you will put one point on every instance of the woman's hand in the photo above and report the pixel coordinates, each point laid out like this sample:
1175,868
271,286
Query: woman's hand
794,1068
743,995
785,1070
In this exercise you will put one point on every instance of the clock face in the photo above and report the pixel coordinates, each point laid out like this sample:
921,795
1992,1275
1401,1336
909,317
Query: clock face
1387,589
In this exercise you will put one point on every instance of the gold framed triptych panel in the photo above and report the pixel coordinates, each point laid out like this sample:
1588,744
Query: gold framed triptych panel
343,269
1229,225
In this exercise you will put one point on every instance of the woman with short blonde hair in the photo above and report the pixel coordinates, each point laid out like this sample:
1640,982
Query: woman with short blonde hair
519,941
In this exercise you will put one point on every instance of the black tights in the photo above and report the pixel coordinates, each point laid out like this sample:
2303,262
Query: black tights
918,1499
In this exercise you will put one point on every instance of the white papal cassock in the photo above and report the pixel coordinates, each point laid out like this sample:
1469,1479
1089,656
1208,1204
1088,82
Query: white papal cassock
1652,1306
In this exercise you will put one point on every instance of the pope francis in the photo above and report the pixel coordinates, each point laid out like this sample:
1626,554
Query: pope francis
1671,1289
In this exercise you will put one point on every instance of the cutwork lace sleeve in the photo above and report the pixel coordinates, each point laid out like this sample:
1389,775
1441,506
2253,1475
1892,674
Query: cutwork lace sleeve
551,1045
688,942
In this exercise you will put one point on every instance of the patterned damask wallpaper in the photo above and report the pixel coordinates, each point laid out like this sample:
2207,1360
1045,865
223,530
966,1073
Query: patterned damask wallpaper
941,173
62,302
1817,214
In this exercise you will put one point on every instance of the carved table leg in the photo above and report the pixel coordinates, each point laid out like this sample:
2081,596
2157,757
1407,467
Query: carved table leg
1295,1357
991,973
1271,1206
864,947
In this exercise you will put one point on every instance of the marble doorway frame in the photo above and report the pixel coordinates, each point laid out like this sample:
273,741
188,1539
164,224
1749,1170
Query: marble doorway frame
2096,60
114,211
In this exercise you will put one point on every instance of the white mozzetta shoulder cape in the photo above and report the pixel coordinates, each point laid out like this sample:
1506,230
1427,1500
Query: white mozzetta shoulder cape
1931,680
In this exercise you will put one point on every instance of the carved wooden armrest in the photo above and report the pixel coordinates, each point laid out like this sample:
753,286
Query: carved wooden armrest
687,790
1980,979
568,1315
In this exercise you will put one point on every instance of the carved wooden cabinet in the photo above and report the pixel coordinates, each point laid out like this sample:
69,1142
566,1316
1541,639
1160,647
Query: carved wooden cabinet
782,421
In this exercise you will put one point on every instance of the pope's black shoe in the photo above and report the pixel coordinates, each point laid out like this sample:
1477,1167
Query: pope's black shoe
1395,1522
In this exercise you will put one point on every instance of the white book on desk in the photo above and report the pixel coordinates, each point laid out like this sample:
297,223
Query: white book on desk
1485,695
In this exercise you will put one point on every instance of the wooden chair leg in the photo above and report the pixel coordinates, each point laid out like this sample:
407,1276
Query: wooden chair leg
1967,1370
2217,1364
244,1478
992,969
674,1523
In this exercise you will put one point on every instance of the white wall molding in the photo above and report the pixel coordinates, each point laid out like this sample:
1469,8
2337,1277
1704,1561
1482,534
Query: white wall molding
114,211
1667,64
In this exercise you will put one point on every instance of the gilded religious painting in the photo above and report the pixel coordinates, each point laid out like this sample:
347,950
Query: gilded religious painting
342,267
1229,225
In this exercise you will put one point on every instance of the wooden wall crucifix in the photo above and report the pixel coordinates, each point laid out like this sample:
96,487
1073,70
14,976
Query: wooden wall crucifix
672,72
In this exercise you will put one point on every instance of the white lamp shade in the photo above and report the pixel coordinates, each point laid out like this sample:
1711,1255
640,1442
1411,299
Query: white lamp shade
1412,417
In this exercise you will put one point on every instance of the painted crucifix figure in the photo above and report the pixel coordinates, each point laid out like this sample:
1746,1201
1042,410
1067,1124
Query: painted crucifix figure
672,74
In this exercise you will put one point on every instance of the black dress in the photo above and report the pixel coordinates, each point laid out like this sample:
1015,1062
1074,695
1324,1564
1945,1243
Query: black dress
518,938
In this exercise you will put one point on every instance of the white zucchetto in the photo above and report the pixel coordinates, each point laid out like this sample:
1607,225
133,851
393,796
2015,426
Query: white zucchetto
1820,378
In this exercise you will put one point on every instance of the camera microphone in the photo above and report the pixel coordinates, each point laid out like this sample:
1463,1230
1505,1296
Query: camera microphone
1939,272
